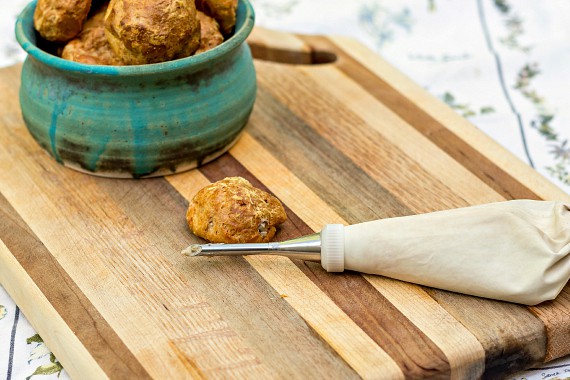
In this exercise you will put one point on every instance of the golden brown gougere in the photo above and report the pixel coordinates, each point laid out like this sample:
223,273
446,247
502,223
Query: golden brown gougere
60,20
91,46
210,32
233,211
151,31
224,11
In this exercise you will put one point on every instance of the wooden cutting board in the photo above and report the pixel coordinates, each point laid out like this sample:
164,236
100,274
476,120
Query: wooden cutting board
95,263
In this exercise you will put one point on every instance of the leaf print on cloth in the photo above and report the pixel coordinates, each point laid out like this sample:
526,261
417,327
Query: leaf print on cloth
39,351
443,58
561,153
3,311
524,77
543,119
502,6
381,22
514,25
47,369
273,9
463,108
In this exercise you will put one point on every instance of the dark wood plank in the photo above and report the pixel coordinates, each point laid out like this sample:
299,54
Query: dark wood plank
556,317
513,338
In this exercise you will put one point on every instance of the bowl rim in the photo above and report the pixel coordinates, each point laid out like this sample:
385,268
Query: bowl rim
239,37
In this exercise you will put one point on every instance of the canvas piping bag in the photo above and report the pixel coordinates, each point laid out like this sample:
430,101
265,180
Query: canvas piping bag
515,251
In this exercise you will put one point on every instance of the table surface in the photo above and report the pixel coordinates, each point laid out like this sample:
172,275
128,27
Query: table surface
507,85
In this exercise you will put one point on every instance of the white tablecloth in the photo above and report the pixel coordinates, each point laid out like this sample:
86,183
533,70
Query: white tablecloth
503,64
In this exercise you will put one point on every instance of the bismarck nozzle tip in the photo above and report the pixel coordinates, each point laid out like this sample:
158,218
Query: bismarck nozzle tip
193,250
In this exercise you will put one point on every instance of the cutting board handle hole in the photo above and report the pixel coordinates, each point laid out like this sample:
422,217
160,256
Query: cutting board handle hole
292,57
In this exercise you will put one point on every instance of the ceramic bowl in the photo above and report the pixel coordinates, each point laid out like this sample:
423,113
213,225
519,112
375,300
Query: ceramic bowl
138,121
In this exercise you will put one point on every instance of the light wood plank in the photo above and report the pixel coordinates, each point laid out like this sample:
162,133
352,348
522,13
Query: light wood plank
273,45
512,337
44,317
465,353
127,259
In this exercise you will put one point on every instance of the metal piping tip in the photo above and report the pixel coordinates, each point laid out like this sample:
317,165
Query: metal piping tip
304,248
193,250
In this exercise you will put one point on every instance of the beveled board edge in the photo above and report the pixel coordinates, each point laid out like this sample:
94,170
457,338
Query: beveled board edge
65,307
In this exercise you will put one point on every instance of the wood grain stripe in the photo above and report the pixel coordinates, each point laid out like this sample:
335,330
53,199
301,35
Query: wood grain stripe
327,319
231,285
556,317
335,327
429,126
298,288
466,359
456,124
348,133
419,357
399,133
349,290
294,142
446,137
513,341
481,166
496,358
146,331
66,298
56,331
466,354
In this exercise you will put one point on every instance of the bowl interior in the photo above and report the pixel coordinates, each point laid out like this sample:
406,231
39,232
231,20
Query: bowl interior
28,38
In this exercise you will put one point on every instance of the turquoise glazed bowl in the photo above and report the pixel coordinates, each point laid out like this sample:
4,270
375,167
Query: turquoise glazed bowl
138,121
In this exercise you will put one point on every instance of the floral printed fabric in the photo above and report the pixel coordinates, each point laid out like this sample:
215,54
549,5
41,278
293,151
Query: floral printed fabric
503,64
23,354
